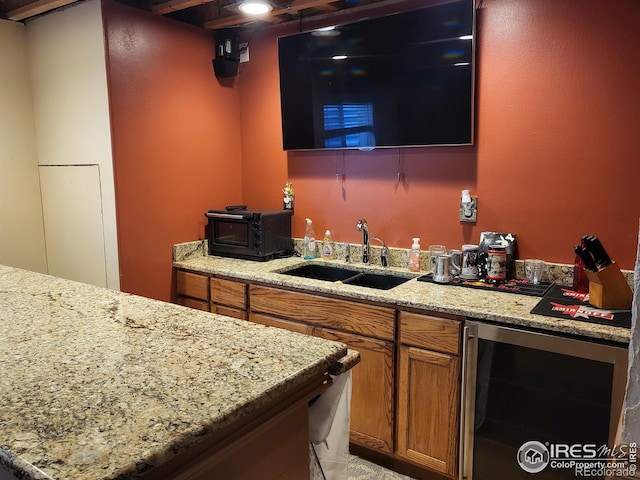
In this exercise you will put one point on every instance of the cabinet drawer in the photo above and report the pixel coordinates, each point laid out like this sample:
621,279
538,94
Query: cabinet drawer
229,311
192,285
228,292
433,333
278,322
193,303
360,318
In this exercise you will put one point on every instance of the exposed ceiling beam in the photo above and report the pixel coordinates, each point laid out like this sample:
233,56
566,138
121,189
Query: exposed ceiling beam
301,5
227,21
327,8
175,5
36,8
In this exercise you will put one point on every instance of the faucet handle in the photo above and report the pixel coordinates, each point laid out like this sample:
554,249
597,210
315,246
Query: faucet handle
384,253
362,223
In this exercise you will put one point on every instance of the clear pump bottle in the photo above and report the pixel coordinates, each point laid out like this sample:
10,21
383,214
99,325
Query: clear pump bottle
414,256
327,246
309,242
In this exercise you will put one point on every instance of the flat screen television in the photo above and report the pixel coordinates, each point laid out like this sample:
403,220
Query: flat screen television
404,79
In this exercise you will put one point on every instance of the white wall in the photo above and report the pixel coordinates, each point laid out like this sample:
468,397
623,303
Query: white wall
21,227
69,89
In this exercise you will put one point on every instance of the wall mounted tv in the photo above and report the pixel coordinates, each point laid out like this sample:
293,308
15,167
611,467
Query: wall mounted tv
405,79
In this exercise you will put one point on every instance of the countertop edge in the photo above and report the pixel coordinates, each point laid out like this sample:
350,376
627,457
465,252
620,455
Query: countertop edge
479,305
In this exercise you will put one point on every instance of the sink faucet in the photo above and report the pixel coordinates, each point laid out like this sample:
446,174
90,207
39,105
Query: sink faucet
363,227
384,253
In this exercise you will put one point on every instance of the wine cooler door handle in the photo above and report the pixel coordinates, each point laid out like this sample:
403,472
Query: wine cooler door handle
467,400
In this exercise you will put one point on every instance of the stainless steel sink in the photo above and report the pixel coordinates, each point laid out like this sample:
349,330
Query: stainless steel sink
380,281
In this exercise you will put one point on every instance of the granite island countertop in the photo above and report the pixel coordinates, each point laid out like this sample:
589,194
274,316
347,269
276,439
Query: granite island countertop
98,384
500,307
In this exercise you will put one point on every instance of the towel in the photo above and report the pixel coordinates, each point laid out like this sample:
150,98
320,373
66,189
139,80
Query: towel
329,429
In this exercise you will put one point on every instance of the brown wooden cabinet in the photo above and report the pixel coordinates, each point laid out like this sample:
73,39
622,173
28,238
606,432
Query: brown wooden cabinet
428,415
192,290
228,297
372,389
280,323
369,329
327,312
406,389
212,294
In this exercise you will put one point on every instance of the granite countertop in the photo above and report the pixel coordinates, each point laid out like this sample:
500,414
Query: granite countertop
97,384
498,307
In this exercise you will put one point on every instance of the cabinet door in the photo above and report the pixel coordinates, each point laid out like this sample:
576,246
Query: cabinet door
428,408
371,391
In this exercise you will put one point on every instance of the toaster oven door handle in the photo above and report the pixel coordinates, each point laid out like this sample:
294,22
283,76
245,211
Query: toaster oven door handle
232,216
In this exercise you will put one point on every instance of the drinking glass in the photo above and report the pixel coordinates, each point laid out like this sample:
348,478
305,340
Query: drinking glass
434,252
534,270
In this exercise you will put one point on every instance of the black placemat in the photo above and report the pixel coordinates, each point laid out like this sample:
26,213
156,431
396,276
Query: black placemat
562,302
522,287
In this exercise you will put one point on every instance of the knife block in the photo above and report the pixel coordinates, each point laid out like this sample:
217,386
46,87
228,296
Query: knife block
609,289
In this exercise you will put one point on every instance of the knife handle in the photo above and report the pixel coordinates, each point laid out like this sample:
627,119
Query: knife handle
586,258
600,255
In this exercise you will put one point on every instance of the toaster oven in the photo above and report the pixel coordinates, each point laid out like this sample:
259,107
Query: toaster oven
252,235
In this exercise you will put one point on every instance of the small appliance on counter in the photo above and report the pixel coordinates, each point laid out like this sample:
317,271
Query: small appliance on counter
251,235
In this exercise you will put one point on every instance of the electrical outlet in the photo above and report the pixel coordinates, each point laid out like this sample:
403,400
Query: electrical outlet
469,210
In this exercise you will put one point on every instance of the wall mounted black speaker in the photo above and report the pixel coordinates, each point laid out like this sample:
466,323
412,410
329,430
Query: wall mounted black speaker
227,55
226,67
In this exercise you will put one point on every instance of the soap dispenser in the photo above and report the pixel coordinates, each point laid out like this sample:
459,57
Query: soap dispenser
414,256
327,246
309,242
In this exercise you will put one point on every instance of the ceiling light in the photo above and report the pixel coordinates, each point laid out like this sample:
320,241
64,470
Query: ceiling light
339,57
255,7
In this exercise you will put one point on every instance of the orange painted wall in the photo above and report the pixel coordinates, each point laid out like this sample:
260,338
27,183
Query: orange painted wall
557,153
176,141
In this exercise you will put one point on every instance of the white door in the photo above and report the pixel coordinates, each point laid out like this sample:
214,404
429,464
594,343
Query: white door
73,222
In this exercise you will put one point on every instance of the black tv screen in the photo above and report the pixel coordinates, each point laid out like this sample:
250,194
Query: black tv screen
405,79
